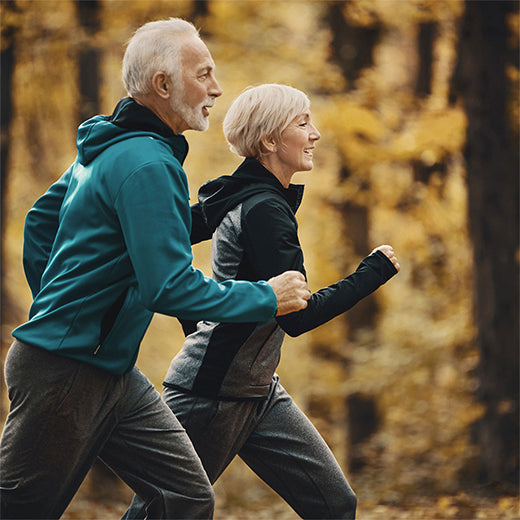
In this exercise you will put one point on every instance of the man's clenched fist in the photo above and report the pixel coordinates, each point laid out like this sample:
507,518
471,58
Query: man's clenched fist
292,292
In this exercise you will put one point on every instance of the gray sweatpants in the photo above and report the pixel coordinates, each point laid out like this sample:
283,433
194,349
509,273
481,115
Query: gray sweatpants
65,413
275,439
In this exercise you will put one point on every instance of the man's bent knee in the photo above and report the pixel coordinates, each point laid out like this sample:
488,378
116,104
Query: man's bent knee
199,505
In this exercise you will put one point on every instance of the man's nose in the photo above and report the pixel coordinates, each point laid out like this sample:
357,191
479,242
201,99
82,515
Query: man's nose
214,89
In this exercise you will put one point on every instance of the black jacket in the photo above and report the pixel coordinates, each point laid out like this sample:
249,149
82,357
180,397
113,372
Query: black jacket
255,238
272,246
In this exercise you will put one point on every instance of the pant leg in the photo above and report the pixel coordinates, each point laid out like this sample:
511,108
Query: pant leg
58,421
150,450
289,454
216,428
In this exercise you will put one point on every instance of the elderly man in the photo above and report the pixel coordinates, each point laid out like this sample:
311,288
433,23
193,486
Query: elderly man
105,247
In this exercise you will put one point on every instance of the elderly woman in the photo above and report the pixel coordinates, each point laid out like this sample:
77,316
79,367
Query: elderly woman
222,385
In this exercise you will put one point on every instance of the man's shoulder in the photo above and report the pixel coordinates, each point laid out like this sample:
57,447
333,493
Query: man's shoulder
139,150
136,156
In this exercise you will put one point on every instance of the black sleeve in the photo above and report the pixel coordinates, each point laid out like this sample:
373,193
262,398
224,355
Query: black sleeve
331,301
188,326
271,241
199,233
199,229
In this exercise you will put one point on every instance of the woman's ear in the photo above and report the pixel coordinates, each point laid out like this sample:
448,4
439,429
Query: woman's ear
268,144
161,85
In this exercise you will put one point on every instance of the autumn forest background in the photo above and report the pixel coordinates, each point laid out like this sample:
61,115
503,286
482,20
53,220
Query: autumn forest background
417,102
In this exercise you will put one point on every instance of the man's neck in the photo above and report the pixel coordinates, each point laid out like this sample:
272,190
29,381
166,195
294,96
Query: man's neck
162,110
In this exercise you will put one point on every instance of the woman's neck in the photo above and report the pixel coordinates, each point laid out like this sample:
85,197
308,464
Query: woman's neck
270,163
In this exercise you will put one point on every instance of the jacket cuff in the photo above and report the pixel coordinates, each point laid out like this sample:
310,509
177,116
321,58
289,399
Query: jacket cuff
380,262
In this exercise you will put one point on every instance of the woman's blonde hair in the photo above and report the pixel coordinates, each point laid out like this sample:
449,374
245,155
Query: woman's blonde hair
155,47
261,112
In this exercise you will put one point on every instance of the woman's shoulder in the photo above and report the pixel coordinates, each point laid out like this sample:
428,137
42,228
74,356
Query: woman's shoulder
266,201
268,210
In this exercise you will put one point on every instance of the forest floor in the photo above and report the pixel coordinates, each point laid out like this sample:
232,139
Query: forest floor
460,507
101,497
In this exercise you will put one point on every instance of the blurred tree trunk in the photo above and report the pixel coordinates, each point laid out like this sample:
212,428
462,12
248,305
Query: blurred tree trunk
352,47
7,61
7,64
199,12
200,8
426,39
89,16
491,155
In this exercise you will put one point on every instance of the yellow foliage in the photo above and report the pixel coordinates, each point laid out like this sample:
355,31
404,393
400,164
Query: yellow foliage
417,362
431,137
399,12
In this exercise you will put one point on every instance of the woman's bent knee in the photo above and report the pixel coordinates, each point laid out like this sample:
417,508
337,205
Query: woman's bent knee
347,508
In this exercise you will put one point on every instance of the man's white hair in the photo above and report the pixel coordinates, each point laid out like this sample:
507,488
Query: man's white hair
262,111
155,47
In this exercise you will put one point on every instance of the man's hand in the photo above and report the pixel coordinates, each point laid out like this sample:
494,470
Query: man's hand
389,252
291,292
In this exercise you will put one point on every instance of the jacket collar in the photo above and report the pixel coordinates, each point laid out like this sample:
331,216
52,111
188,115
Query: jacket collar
254,171
131,115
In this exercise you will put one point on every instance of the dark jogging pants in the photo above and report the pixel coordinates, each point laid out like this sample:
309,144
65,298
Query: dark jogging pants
275,439
65,413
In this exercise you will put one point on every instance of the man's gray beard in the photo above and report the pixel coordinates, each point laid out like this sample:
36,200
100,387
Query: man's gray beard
193,117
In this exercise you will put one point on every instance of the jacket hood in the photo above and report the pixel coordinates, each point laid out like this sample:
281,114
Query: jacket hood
219,196
129,119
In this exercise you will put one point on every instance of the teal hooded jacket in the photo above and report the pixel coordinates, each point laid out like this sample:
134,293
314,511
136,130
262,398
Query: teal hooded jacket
109,244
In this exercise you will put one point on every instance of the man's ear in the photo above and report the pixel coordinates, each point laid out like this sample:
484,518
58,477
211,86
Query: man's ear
268,144
161,84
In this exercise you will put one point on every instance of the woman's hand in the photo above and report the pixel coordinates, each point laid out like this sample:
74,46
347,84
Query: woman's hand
389,252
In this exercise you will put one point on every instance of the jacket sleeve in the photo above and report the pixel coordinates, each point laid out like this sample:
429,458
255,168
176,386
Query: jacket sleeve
329,302
199,229
41,225
155,218
271,241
